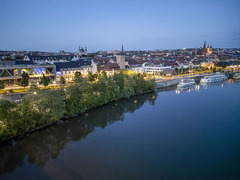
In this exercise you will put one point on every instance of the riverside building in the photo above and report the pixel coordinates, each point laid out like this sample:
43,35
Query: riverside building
11,72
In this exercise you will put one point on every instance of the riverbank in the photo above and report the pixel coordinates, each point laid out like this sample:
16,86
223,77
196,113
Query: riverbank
44,108
64,118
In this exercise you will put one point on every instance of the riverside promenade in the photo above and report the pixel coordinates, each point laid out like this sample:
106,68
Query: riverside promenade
174,80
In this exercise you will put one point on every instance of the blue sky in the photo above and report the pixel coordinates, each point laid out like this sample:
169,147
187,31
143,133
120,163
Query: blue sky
52,25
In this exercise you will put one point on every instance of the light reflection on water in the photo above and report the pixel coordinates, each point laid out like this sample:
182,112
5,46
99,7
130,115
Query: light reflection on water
204,86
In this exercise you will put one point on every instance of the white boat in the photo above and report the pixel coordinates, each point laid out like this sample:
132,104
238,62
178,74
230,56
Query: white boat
236,76
213,78
185,83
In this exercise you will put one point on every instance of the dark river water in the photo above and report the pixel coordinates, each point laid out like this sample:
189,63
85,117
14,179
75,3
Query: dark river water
191,134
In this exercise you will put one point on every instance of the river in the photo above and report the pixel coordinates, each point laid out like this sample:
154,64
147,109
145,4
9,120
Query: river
171,134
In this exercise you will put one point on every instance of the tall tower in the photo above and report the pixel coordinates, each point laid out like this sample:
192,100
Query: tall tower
204,50
85,51
120,58
210,50
81,51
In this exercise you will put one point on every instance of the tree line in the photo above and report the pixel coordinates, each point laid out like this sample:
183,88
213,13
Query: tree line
48,106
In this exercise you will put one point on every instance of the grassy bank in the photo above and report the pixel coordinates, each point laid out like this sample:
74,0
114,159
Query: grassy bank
48,106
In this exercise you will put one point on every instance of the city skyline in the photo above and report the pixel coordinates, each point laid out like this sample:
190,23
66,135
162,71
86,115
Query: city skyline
106,25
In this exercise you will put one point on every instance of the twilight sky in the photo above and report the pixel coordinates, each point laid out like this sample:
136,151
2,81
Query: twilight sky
52,25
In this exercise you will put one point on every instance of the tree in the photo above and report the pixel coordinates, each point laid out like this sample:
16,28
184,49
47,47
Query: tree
214,69
34,87
129,87
49,104
25,80
145,74
2,85
45,80
62,80
98,68
95,76
104,74
74,105
90,76
224,66
9,119
77,77
119,79
176,70
19,57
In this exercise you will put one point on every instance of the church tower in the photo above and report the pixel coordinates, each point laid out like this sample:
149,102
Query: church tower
120,58
85,51
204,50
82,51
210,50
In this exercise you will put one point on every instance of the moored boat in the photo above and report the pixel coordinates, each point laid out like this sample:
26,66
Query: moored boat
185,83
236,76
213,78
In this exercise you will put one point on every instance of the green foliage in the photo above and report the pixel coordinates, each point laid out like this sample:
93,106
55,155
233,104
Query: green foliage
119,79
25,80
19,57
77,77
30,117
34,87
141,84
145,74
62,80
129,87
2,85
98,68
9,119
104,74
91,77
45,81
49,104
214,69
224,66
177,70
113,90
73,101
46,107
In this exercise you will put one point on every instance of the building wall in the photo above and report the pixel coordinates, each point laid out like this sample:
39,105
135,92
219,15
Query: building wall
121,61
137,70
